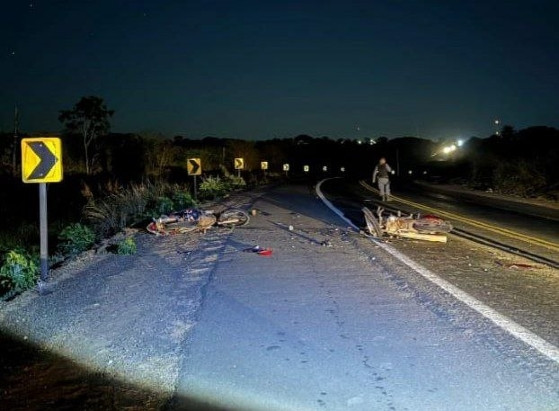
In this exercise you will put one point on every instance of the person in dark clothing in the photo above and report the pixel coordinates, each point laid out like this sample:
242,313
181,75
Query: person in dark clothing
382,175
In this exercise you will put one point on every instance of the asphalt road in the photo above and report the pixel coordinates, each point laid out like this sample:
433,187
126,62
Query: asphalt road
330,321
531,219
525,221
345,327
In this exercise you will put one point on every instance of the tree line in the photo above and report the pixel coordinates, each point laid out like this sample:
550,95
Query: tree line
522,162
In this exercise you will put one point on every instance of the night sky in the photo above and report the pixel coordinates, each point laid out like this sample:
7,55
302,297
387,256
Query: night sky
264,69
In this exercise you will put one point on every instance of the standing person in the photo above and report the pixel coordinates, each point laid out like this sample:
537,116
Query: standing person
382,173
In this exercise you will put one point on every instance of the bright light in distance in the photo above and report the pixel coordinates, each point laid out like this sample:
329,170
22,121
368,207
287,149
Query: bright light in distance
410,172
449,149
460,143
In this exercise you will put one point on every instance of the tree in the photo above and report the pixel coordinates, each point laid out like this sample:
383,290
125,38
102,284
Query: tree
89,118
507,132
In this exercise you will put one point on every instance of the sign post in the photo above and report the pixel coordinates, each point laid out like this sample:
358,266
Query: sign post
239,165
264,167
41,163
286,169
194,168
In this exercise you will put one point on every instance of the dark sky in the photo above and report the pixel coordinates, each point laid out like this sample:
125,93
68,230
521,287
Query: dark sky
262,69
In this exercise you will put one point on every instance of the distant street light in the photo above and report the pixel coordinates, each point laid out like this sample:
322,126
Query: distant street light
449,149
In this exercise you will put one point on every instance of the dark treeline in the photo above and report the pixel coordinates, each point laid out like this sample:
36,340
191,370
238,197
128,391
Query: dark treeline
132,157
523,162
520,162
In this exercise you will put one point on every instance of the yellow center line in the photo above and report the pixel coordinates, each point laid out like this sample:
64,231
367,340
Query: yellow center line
475,223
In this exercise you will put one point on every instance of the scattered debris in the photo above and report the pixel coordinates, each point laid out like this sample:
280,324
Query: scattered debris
428,228
517,266
259,250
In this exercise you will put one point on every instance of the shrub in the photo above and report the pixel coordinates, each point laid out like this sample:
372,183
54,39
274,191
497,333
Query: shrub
182,199
128,206
126,246
236,182
213,187
75,239
164,205
518,178
19,272
25,236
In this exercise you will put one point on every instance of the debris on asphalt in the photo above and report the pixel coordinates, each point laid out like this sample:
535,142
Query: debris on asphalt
427,228
258,250
517,266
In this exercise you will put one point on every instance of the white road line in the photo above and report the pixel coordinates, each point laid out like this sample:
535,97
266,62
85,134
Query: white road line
510,326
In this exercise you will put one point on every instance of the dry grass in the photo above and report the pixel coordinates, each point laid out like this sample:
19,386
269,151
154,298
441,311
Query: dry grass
122,207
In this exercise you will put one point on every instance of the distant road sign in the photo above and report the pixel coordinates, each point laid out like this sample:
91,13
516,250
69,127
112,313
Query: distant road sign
342,169
264,165
286,167
239,163
325,168
306,169
41,160
194,166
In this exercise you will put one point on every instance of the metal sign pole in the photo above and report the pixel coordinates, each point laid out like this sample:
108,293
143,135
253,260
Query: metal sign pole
44,252
195,189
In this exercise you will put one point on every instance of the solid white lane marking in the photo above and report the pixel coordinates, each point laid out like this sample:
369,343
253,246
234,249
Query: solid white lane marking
505,323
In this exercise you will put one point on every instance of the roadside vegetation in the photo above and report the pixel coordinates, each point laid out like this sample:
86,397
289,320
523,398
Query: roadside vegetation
117,180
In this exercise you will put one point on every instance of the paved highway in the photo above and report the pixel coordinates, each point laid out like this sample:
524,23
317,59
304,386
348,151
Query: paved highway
344,326
329,321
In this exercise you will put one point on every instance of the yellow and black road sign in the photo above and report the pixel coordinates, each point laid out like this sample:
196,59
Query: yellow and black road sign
239,163
306,169
286,167
264,165
41,160
194,166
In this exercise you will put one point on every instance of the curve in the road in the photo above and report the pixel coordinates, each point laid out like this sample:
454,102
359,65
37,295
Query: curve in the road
502,321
